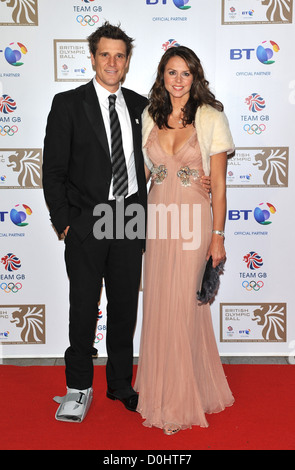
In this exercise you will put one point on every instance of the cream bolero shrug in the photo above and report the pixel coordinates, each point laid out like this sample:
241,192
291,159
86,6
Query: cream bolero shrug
213,132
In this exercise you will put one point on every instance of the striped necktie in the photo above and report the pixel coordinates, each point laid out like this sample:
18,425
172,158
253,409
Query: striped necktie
120,176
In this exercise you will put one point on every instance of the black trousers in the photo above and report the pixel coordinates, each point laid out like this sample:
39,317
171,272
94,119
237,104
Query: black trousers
118,262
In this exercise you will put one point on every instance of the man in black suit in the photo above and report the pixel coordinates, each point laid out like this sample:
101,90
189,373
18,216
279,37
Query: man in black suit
77,178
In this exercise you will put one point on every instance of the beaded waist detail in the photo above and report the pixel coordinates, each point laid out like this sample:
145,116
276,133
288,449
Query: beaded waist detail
185,174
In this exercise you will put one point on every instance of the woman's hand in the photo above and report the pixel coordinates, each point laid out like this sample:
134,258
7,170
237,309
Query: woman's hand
216,250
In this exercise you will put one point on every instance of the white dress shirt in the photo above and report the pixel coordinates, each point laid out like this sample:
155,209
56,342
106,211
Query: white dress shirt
126,129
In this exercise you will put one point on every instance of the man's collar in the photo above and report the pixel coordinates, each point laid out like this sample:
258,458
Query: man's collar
103,93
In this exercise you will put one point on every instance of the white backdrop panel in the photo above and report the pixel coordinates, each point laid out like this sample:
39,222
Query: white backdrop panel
253,312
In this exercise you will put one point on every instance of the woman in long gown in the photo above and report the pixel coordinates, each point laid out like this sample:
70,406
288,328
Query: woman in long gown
180,377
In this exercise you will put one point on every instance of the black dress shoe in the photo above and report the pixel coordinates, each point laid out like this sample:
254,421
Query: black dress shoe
129,399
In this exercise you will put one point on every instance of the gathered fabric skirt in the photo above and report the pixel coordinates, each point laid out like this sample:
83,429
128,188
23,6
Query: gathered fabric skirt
180,377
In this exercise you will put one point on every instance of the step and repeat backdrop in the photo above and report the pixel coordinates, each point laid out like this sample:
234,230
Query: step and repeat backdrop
247,50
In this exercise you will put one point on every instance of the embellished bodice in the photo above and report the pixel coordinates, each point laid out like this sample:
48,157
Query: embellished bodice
184,167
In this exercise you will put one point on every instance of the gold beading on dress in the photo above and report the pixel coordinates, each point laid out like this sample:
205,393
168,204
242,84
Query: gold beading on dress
184,174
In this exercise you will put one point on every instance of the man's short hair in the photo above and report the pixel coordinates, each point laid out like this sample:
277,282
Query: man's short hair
111,32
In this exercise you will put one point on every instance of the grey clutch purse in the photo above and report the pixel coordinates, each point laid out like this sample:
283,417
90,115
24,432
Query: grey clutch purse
210,282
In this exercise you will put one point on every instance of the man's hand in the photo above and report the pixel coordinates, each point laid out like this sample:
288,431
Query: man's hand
206,183
65,232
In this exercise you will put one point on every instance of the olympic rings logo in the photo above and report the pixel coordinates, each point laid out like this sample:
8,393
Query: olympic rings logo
98,338
87,20
254,129
253,285
11,287
7,130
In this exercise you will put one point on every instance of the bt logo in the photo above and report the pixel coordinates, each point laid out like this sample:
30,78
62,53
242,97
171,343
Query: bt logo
181,4
239,215
18,215
264,53
262,213
14,54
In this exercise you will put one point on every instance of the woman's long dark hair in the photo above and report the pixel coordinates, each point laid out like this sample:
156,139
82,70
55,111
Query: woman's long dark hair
160,104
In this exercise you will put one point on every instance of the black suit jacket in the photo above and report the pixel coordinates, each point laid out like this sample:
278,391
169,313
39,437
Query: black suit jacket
76,160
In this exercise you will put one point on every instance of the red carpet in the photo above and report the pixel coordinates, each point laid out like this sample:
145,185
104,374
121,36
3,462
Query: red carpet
263,417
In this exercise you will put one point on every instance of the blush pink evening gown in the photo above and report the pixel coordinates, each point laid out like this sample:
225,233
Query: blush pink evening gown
180,377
